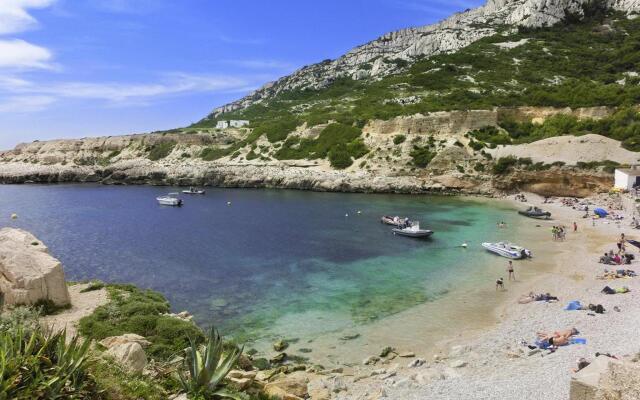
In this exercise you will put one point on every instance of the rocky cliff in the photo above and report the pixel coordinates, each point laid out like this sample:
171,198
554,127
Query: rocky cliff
455,167
378,58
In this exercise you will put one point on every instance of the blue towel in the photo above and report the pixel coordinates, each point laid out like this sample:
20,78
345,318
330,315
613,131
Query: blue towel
576,340
573,305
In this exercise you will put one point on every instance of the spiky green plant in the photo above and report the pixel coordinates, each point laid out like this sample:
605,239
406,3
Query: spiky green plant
42,365
207,369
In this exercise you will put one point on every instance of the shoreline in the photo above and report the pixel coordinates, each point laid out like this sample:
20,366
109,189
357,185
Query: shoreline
491,363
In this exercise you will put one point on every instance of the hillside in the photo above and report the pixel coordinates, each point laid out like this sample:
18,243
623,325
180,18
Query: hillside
442,107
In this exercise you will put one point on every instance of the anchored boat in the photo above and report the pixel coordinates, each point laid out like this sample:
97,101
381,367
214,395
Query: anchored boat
170,199
535,212
193,191
393,221
508,250
413,231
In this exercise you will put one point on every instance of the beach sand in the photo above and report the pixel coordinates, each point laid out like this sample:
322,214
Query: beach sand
489,361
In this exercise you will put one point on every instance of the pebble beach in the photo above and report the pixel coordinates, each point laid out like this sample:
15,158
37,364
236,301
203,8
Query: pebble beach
495,364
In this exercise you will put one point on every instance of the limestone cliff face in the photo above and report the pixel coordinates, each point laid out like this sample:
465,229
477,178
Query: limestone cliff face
387,168
375,59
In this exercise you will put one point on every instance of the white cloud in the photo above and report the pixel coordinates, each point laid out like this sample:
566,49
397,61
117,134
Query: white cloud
16,53
14,16
34,96
126,6
25,104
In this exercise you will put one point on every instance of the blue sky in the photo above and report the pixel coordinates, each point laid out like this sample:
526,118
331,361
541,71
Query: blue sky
76,68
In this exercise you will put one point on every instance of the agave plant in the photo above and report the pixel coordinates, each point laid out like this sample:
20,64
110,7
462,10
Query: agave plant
42,365
207,369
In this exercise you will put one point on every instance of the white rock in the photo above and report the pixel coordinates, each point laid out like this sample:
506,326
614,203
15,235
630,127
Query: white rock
28,272
130,355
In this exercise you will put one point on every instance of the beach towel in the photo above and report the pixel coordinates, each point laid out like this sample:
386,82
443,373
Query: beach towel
573,305
600,212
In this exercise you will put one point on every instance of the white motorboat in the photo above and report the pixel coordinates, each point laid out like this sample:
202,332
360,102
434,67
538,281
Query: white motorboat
170,199
193,191
413,231
508,250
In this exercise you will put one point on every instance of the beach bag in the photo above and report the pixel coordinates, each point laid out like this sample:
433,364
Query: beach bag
599,309
608,290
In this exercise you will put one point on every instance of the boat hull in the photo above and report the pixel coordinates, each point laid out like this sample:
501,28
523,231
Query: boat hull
416,234
172,202
545,215
514,254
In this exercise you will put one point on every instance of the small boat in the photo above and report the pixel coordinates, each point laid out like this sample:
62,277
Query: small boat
413,231
535,212
170,199
508,250
393,221
193,191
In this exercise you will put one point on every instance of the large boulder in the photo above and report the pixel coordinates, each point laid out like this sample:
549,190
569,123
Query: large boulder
28,273
606,379
291,386
129,355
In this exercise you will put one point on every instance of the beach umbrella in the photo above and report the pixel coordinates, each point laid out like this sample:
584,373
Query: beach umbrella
634,242
601,212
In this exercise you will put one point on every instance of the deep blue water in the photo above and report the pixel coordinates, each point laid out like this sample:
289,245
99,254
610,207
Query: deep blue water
269,254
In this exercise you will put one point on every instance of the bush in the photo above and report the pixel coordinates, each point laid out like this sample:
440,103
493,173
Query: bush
504,165
398,139
132,310
160,150
339,157
479,167
212,153
421,156
277,129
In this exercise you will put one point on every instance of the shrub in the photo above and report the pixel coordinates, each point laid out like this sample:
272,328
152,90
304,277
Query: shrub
160,150
132,310
339,157
479,167
398,139
277,129
93,285
212,153
421,156
504,165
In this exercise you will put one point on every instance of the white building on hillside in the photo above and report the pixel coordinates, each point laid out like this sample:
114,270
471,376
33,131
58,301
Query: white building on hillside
627,179
234,123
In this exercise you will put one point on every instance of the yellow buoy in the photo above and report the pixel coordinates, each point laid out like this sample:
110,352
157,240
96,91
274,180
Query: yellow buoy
14,216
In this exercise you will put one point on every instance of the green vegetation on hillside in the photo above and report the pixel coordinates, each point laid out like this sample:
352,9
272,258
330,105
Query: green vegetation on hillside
160,150
623,125
342,143
578,63
569,65
132,310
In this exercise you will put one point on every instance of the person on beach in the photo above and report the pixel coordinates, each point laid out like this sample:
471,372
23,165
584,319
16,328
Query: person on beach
559,338
575,226
500,284
511,272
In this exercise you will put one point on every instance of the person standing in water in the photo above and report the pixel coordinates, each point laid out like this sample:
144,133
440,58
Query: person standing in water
511,272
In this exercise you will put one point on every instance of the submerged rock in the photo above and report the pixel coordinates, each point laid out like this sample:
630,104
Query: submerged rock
280,345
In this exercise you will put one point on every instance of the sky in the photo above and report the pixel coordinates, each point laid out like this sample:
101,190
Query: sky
79,68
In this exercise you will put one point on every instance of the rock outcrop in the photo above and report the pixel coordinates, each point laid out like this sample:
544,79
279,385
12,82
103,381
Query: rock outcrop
127,350
28,273
378,58
607,379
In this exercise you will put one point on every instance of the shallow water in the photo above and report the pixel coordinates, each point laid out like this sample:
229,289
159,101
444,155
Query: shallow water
273,262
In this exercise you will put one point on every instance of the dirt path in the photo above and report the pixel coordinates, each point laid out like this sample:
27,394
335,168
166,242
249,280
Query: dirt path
82,304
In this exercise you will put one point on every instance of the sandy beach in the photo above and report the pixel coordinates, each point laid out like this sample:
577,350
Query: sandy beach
493,363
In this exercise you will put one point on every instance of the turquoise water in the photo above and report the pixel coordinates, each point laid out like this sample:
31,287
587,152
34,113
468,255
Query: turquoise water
271,256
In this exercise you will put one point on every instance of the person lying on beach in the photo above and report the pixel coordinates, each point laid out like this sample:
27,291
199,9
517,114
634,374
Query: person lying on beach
608,290
621,273
559,338
528,298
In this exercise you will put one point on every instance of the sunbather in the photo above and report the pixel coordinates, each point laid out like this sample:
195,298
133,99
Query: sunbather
559,338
